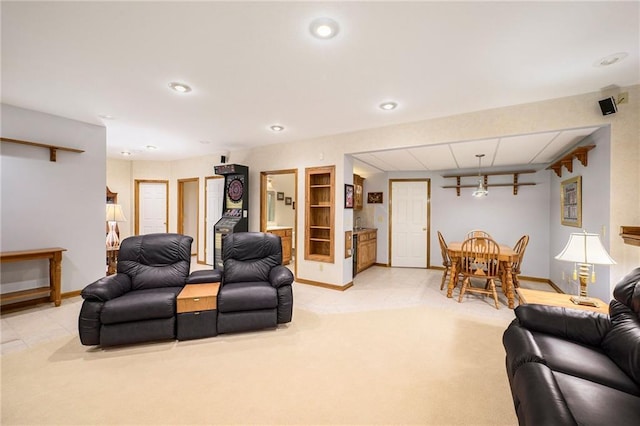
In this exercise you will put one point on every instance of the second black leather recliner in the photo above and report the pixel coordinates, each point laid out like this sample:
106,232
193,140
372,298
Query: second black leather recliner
256,289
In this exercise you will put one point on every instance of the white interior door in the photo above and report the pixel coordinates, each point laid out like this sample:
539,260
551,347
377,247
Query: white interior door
152,214
409,202
214,196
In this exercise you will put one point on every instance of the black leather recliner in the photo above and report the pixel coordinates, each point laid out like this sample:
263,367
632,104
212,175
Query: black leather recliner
256,289
138,303
575,367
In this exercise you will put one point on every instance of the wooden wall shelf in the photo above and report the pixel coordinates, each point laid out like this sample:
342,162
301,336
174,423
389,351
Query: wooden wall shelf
52,148
630,235
485,176
581,153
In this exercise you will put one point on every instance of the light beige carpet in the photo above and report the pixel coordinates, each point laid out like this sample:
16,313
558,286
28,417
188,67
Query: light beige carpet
405,366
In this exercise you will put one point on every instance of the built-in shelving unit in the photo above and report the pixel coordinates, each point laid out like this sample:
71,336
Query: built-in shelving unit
53,149
485,177
320,212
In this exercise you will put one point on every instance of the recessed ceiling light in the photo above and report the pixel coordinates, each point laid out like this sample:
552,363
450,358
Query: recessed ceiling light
324,28
125,153
205,142
276,128
388,106
611,59
180,87
107,116
151,147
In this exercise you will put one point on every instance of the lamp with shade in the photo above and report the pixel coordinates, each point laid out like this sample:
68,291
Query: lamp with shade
114,215
585,250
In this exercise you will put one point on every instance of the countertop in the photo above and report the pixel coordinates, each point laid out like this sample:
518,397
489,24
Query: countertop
361,230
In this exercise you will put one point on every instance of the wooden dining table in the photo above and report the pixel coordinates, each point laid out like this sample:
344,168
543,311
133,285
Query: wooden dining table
507,257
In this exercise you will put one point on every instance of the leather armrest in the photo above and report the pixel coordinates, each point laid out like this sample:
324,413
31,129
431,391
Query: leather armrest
279,276
577,325
107,288
205,276
521,347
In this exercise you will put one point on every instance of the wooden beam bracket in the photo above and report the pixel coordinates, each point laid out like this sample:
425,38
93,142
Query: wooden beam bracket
581,153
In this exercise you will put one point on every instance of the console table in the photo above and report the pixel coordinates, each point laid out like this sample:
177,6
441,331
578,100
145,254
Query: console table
54,255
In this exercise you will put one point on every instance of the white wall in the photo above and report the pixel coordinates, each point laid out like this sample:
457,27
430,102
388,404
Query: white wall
284,214
595,214
52,204
119,181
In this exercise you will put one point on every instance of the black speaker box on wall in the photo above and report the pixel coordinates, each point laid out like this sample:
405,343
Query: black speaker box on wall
608,106
223,159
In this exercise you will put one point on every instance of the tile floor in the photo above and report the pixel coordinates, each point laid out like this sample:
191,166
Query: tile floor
377,288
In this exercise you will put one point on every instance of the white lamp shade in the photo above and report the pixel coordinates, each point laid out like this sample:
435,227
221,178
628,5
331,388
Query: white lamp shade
114,213
585,248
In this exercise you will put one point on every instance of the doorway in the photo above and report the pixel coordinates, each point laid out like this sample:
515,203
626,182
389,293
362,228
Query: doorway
188,208
409,228
152,209
213,201
278,210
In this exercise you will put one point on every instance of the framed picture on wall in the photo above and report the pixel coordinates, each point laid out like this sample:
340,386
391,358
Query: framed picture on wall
280,196
287,201
374,197
348,196
571,202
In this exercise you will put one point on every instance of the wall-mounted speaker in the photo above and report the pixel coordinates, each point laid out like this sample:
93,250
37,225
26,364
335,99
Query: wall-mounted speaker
608,106
223,159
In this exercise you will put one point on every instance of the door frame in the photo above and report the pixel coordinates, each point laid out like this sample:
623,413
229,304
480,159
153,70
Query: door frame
390,236
180,207
137,203
263,207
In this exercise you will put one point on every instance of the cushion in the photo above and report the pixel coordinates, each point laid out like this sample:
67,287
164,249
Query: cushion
141,305
587,362
247,296
622,343
593,404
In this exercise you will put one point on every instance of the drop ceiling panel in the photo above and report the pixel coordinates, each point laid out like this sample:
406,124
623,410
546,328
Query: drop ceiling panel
400,159
435,157
522,149
374,161
565,140
465,152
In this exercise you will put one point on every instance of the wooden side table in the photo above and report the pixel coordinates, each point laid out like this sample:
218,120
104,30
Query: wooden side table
557,299
112,260
197,308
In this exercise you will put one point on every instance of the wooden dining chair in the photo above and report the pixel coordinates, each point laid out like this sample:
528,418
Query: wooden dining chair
477,233
446,260
480,261
519,248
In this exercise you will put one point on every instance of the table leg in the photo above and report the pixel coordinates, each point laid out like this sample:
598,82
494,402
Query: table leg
454,276
508,282
55,276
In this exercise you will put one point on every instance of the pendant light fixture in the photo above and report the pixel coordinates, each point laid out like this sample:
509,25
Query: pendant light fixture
480,191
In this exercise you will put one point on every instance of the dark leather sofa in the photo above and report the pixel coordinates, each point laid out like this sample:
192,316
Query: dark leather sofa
138,303
575,367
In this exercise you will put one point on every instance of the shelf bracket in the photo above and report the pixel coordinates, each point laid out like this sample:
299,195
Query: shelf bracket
567,161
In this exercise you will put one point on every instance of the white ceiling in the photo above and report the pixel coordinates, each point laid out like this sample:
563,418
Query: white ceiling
252,65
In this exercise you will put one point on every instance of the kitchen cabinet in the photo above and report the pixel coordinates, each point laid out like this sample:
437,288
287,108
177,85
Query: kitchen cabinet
358,192
366,248
285,235
320,212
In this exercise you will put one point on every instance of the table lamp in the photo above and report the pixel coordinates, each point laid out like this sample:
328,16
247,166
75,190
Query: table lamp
585,250
114,215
